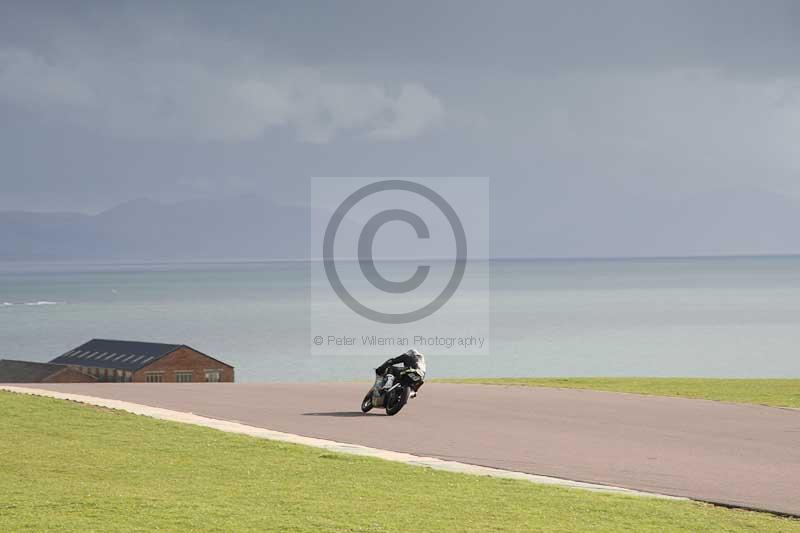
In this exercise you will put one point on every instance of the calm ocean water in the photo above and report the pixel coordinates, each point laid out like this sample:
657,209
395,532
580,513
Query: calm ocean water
736,317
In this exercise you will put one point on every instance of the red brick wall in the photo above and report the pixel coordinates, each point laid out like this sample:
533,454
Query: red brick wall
185,359
69,375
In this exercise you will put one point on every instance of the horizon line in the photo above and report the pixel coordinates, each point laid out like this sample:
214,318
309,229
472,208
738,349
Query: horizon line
133,262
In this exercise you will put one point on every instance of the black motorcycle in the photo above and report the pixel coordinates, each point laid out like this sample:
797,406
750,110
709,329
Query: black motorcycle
396,396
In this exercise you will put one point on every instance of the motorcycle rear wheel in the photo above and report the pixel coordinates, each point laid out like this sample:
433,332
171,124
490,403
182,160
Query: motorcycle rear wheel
396,400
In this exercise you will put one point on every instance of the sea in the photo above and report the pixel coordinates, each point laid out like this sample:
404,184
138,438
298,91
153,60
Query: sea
703,317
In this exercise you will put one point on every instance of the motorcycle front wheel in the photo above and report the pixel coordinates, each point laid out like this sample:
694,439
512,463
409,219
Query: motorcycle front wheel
366,403
396,400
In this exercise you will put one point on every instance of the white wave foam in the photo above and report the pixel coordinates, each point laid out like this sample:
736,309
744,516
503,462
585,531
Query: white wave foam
43,302
7,304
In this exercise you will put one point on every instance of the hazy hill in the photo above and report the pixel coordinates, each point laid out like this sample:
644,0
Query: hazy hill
246,227
723,222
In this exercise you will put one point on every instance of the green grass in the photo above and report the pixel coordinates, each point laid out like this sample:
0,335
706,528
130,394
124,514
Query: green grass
775,392
69,467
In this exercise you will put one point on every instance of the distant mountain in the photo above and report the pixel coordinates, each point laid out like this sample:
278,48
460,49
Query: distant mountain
721,222
619,223
244,227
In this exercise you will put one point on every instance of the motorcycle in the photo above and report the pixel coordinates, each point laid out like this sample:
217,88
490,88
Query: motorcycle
397,395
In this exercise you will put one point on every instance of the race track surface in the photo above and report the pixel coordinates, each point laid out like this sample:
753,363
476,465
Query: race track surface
741,455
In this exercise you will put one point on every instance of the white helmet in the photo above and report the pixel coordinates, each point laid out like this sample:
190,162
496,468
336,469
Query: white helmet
420,360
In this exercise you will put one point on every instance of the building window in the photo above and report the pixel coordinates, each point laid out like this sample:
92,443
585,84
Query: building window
213,376
154,377
183,377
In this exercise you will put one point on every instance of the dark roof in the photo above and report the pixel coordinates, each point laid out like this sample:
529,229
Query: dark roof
27,371
122,355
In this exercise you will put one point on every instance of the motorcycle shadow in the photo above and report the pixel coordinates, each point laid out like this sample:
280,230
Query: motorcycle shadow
343,414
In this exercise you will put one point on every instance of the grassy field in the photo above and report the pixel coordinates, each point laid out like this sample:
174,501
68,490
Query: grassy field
68,467
775,392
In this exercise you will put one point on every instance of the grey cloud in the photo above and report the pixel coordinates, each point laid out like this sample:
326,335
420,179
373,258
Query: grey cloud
28,79
414,111
179,98
588,117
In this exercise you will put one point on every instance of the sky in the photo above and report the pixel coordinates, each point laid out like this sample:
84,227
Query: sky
576,111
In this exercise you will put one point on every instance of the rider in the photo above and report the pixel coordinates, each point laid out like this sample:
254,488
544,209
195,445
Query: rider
410,359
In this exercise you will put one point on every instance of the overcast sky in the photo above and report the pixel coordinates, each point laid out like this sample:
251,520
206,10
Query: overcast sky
572,104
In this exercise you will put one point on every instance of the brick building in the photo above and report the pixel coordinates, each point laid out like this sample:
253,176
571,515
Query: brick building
12,371
130,361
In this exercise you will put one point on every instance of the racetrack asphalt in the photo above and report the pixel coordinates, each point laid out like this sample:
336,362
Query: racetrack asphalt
730,454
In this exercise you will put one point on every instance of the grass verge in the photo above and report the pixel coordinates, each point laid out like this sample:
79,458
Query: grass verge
67,467
774,392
